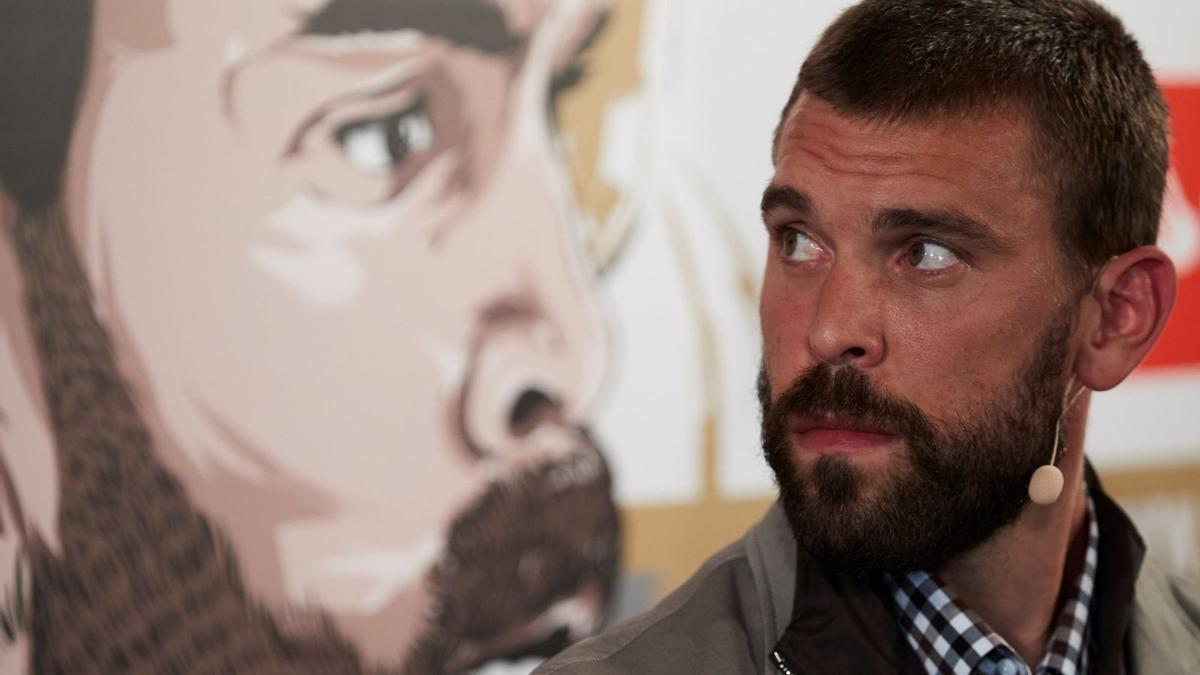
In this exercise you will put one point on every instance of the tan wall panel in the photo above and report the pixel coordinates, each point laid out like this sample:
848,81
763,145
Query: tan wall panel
670,542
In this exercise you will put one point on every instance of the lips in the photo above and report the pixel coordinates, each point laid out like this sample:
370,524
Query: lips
831,434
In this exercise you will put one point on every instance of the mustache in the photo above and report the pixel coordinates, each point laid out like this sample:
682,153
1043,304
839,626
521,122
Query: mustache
848,393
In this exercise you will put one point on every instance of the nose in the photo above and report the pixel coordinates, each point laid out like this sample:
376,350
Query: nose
846,329
533,373
538,352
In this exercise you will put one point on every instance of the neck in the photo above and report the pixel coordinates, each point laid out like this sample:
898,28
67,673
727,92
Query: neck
1014,580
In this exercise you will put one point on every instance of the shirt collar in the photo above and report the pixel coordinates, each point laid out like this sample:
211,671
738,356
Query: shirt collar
949,637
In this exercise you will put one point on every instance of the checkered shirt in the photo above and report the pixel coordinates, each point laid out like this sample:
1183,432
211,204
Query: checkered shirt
950,638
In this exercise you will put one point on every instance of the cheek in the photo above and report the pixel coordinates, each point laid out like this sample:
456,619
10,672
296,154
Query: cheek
960,357
784,317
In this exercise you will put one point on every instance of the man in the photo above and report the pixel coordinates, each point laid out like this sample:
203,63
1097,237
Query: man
962,222
298,344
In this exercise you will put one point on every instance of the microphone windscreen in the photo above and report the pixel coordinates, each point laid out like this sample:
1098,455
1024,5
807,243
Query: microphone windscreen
1046,485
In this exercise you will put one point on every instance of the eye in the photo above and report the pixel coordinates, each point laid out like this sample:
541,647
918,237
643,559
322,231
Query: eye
799,247
379,145
929,256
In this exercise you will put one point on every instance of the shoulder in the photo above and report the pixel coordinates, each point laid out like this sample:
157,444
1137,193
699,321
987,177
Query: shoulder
726,618
1168,599
705,625
1166,612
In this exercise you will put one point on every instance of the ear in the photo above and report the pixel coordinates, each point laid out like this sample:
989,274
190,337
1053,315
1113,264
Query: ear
1131,299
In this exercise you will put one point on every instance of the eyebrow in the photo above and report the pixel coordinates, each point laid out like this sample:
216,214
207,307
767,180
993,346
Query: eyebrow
780,197
476,24
948,223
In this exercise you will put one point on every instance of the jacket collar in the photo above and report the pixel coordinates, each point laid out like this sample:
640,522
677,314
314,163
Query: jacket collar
771,551
1121,555
816,618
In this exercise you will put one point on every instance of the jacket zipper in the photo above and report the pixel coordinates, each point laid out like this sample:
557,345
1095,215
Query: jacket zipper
781,663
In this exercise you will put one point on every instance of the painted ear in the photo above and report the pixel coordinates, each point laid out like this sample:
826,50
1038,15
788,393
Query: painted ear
1133,297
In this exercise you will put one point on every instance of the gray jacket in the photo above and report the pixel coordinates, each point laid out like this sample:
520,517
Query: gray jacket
731,614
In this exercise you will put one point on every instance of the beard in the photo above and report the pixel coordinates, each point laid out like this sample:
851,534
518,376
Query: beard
145,583
958,482
543,536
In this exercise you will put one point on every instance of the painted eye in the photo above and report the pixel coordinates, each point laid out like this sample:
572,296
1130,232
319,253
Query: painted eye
380,145
799,247
930,257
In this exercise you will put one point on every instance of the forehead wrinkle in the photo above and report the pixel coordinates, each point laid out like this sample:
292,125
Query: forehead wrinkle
815,128
967,172
820,143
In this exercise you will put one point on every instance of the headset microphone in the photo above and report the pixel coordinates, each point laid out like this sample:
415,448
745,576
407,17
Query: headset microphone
1047,482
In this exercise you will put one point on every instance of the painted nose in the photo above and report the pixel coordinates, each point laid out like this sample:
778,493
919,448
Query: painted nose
540,344
539,350
530,384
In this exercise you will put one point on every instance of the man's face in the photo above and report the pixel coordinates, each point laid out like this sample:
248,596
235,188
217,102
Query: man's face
338,251
916,332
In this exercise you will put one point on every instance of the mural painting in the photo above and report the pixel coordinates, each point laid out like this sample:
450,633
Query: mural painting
299,338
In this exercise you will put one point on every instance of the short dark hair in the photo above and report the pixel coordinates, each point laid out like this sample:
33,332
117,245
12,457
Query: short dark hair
1099,120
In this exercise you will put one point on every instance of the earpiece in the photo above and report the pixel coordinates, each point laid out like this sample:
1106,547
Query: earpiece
1047,482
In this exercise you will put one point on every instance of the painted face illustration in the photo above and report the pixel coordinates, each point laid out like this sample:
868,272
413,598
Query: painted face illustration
337,251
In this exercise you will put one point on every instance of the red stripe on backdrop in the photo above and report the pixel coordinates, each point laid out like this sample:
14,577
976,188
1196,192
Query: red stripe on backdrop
1180,343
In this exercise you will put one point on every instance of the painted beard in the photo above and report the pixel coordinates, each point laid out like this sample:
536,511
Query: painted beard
957,484
548,535
145,583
